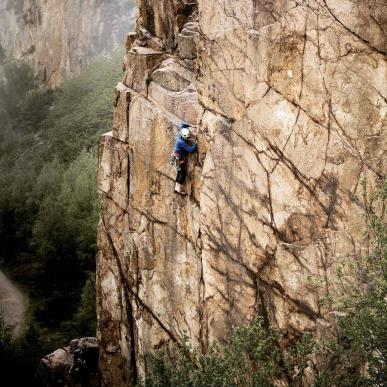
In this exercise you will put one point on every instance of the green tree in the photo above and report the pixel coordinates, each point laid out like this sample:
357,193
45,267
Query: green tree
22,104
48,198
64,236
84,321
82,109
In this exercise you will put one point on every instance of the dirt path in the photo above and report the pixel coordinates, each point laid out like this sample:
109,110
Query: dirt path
14,304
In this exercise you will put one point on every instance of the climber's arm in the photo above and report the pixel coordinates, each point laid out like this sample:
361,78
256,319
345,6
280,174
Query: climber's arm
189,148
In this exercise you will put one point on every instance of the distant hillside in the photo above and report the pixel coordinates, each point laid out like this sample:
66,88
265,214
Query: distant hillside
58,37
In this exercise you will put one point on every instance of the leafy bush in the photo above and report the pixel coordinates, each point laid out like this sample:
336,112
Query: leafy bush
251,358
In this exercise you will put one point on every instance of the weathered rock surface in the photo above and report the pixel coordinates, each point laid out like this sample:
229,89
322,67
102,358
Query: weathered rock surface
58,37
75,365
290,109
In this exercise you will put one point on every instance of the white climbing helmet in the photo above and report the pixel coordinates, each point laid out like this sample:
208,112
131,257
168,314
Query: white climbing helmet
185,133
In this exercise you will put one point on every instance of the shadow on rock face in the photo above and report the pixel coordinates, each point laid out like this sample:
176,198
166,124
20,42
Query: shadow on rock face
302,229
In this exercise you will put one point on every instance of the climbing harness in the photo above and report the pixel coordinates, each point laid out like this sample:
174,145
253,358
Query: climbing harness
175,161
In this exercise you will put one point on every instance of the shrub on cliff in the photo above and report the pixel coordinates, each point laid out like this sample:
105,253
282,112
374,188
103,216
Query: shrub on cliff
253,357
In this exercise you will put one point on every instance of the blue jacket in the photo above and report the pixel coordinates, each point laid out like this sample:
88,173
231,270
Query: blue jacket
182,147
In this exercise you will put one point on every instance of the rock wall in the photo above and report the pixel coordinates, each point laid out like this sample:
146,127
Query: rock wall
58,37
290,109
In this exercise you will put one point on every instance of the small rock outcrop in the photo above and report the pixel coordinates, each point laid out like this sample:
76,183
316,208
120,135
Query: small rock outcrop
59,37
72,366
290,109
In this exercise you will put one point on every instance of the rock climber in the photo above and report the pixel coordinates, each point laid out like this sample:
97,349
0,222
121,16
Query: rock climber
182,147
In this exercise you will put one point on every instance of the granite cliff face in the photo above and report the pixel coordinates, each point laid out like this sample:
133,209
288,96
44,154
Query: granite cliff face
58,37
290,108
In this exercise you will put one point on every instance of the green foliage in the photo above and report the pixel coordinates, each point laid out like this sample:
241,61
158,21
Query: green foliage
48,194
357,355
81,109
67,217
64,235
6,332
83,323
22,104
251,358
364,299
18,354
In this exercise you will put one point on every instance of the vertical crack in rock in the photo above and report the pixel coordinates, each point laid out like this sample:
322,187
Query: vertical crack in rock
290,114
128,305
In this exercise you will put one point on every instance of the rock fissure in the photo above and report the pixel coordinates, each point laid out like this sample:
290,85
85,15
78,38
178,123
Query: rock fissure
128,306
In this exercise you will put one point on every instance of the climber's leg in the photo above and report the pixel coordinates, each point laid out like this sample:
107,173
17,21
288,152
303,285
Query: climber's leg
179,189
180,178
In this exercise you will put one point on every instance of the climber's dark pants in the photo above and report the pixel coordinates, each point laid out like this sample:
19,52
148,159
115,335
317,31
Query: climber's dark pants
182,171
